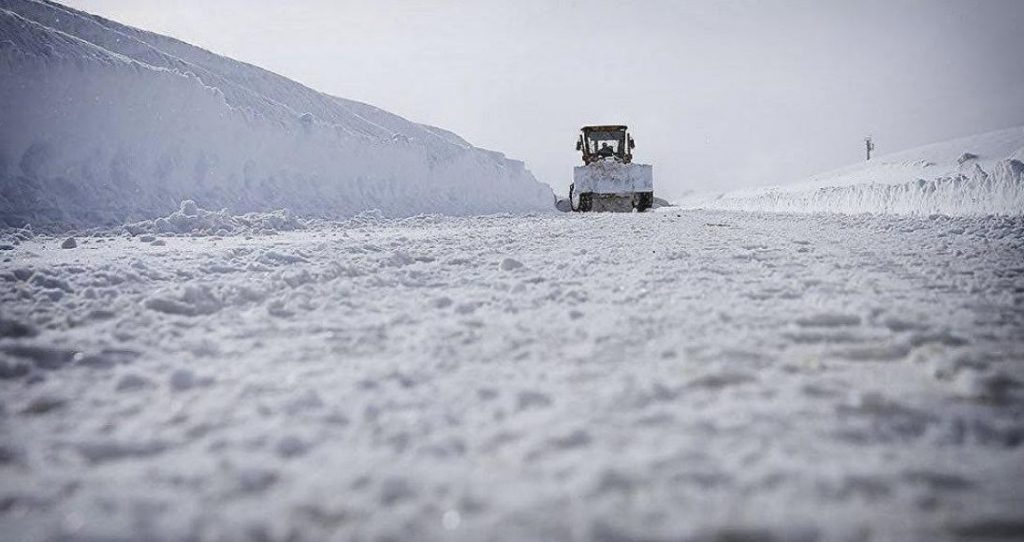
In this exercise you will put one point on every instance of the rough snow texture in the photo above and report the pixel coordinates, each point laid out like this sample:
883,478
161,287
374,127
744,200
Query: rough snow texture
102,123
193,220
695,376
612,177
975,175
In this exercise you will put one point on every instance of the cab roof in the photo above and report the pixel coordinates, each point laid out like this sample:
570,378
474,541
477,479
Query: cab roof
605,128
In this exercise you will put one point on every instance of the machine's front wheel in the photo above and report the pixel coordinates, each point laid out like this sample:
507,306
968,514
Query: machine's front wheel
580,203
644,201
586,202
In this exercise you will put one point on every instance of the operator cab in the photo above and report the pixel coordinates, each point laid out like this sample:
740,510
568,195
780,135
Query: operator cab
605,142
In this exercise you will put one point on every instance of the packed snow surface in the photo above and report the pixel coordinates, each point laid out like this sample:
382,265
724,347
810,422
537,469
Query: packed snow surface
977,175
612,177
677,375
102,123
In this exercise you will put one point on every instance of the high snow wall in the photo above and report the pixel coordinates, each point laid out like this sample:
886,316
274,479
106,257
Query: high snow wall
977,175
103,123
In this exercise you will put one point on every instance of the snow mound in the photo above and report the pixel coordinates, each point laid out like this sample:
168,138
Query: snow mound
191,219
977,175
105,124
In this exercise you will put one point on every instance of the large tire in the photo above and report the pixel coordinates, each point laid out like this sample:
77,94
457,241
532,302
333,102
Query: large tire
586,202
644,201
581,203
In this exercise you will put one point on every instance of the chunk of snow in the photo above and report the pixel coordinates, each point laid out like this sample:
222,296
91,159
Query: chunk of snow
510,264
971,383
110,450
132,382
44,404
827,319
965,157
16,329
191,300
291,446
182,379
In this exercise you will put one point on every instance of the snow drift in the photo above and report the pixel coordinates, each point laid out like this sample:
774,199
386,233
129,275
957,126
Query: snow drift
104,123
977,175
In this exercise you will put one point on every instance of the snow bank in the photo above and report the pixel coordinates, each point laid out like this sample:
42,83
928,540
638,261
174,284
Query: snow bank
611,177
103,123
977,175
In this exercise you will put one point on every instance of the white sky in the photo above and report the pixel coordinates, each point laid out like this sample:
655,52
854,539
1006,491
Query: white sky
720,94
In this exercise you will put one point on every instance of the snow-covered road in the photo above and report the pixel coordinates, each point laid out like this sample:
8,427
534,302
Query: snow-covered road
678,375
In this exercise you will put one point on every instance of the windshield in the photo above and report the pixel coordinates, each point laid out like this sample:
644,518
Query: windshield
615,140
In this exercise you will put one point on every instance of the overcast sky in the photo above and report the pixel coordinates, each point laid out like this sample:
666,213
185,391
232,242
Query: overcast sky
720,94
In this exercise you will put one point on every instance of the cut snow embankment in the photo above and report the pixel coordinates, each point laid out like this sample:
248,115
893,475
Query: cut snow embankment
977,175
102,123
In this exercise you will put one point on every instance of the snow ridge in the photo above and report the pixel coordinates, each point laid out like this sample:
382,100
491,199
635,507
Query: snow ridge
104,123
977,175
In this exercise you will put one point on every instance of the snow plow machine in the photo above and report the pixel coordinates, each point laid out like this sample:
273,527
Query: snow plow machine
608,180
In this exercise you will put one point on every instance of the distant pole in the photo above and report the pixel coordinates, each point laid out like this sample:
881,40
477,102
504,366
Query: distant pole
868,146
